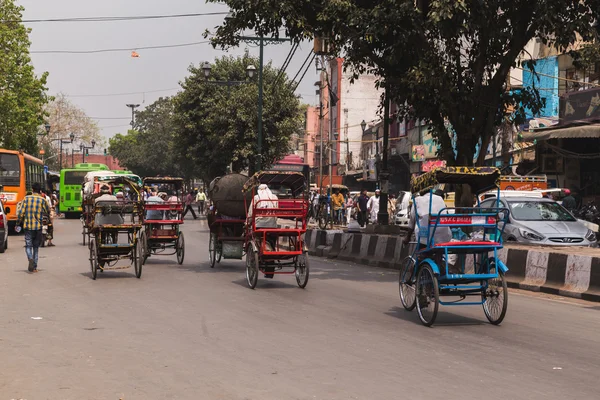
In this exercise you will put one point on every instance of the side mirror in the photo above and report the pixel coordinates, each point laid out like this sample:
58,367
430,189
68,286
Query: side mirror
501,216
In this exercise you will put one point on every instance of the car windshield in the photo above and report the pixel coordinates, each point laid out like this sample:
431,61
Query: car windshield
539,211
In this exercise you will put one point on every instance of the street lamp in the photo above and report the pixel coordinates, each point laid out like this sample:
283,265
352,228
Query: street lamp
63,141
206,68
133,107
85,148
47,130
363,125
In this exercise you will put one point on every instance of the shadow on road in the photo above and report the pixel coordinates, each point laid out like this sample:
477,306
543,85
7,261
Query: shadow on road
353,272
109,274
267,284
444,319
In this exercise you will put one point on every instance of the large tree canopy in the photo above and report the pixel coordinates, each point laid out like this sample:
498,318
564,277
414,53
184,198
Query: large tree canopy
22,94
218,122
441,60
149,149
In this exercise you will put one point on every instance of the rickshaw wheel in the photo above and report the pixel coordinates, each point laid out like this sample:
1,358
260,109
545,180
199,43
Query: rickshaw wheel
495,298
83,234
427,295
212,250
93,258
180,245
219,252
251,266
145,251
138,258
302,270
406,283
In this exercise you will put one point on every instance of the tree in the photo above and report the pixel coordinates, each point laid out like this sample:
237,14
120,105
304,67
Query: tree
22,94
442,61
218,123
149,149
65,118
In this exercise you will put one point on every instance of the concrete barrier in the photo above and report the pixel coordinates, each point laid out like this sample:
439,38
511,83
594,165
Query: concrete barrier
572,272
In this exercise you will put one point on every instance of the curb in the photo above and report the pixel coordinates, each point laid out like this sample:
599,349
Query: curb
537,270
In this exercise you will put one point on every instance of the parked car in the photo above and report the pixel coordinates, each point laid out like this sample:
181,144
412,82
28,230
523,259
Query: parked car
3,229
541,221
403,209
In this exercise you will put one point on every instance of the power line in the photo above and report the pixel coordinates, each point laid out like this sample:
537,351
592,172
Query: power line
127,118
303,64
166,46
113,19
305,71
286,63
121,94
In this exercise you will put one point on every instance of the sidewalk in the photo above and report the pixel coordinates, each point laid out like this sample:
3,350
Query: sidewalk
568,271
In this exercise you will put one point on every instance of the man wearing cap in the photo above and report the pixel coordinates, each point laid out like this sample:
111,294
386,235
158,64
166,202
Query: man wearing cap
30,213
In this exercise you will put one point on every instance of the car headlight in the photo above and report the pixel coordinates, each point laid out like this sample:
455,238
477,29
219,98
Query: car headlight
529,235
590,236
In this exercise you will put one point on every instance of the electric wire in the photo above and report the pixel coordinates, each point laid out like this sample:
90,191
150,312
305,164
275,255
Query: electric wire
167,46
114,18
304,74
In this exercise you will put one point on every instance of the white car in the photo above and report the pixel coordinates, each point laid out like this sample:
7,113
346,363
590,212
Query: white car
403,209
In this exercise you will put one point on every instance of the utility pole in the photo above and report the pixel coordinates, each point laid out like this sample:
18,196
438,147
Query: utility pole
330,140
383,217
321,133
133,107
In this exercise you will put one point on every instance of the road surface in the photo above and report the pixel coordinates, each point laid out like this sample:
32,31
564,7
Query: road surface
192,332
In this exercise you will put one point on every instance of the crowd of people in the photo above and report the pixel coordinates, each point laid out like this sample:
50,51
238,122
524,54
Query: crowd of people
362,207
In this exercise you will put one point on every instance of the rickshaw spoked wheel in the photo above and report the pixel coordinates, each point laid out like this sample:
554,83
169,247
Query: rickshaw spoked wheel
302,270
144,242
427,295
212,250
219,252
406,283
495,298
180,247
93,258
138,257
251,266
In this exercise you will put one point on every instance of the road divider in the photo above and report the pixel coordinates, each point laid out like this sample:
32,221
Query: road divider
570,272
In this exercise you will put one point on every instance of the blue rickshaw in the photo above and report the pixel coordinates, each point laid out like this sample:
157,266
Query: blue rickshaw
465,270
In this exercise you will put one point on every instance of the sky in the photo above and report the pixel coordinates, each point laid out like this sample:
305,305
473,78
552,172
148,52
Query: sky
157,72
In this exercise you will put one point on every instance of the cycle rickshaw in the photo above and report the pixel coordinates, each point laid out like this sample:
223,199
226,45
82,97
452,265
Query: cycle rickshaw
477,272
162,235
113,226
272,248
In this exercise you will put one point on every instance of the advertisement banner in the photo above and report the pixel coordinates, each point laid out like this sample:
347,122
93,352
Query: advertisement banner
430,165
429,146
371,170
418,153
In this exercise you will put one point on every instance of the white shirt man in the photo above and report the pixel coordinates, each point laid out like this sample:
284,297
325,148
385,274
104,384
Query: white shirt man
260,200
373,206
442,234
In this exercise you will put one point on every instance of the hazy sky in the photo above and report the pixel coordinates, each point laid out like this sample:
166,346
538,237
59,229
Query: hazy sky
117,72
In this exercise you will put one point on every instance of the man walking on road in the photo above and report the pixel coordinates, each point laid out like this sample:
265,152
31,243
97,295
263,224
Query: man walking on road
361,205
373,206
32,210
189,199
201,199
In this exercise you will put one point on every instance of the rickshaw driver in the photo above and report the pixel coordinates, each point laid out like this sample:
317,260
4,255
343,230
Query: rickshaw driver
442,234
264,193
109,219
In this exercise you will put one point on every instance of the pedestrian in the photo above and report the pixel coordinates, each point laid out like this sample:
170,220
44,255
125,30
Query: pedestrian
189,199
569,201
201,199
50,233
392,208
349,208
31,212
361,205
373,206
337,202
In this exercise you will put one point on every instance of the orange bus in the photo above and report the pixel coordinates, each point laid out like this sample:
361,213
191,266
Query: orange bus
18,171
527,182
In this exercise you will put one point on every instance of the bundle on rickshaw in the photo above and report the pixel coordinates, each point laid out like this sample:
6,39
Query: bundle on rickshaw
273,248
458,266
226,217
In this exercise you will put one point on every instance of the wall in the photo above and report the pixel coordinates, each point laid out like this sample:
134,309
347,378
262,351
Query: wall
549,84
110,161
310,136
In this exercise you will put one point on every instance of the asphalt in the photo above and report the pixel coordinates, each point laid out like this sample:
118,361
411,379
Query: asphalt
192,332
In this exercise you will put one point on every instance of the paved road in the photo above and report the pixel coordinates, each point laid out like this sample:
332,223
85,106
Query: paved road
191,332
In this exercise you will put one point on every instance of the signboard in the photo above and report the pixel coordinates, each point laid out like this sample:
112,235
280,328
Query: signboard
370,170
418,153
8,196
429,146
430,165
580,105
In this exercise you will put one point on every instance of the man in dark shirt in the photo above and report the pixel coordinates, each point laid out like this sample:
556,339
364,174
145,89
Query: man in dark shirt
361,205
569,202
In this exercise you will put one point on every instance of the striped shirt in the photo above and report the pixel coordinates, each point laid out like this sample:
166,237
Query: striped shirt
31,211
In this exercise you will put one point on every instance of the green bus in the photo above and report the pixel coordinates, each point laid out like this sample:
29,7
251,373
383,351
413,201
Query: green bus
121,172
71,180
